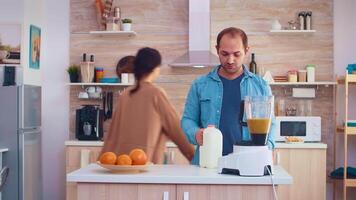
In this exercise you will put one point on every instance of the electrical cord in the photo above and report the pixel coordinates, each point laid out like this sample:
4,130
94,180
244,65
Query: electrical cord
273,186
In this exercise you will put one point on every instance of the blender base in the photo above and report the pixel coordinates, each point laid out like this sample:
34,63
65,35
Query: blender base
247,161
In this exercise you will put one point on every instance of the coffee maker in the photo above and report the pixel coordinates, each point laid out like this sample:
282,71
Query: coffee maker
89,123
252,158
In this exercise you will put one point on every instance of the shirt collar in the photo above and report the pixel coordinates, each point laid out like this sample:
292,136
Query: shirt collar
214,73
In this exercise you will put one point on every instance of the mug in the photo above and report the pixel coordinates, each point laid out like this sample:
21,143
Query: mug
90,89
83,95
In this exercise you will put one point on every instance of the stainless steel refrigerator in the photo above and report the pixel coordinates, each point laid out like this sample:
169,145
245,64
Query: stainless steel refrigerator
20,132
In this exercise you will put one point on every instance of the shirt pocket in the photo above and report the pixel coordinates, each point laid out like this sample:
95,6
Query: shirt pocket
205,107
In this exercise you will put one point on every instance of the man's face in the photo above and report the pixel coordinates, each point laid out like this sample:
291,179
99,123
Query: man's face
231,53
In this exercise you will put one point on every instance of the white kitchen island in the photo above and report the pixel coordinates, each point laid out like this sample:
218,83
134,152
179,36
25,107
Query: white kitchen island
173,182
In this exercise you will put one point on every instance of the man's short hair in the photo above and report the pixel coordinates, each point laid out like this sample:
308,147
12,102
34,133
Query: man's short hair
233,32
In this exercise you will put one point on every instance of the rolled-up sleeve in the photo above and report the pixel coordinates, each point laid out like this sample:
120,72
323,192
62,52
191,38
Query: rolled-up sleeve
191,115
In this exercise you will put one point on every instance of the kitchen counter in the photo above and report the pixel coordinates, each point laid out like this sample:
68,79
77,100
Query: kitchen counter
174,174
174,182
305,145
279,145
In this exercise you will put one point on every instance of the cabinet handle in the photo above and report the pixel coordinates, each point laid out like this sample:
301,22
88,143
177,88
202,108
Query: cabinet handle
185,195
166,195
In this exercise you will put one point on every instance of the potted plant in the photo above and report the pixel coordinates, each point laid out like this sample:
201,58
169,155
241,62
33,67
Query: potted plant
126,24
73,71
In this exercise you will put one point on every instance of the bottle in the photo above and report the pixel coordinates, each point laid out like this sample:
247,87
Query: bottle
253,65
308,16
301,16
212,147
310,73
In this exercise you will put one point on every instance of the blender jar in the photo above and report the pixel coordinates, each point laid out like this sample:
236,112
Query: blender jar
258,111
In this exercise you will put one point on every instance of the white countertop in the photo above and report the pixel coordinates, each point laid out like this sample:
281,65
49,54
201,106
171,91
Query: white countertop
175,174
305,145
84,143
280,145
3,150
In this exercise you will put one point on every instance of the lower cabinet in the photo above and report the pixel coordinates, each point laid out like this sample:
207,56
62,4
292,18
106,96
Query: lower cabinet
93,191
308,169
75,155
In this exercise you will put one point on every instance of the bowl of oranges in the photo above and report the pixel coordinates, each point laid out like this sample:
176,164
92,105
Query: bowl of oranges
135,161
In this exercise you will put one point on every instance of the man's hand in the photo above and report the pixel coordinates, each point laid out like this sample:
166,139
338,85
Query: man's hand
199,136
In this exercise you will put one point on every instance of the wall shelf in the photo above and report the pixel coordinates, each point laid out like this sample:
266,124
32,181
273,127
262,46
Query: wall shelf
326,83
108,33
100,84
292,32
114,33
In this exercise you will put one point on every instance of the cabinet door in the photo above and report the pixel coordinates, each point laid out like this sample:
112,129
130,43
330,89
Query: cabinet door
73,157
176,157
241,192
156,192
308,169
94,191
193,192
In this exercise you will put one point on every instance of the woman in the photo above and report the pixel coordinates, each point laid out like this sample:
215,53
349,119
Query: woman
144,117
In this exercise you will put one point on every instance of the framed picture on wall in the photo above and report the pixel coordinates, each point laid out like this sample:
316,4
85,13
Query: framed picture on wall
10,43
35,47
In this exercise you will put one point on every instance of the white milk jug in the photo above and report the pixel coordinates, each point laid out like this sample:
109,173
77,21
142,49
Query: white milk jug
212,147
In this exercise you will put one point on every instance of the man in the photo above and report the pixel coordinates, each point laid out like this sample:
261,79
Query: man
215,98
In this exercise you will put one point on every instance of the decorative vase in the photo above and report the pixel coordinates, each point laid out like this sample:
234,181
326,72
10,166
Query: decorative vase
74,78
126,27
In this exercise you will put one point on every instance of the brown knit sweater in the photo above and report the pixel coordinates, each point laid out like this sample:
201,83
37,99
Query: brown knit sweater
144,120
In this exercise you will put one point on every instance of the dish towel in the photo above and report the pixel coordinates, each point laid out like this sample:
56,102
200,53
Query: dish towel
339,173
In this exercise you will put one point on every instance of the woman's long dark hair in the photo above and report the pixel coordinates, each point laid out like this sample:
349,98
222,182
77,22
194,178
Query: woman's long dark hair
146,60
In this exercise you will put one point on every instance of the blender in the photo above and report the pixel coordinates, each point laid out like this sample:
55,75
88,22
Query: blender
252,158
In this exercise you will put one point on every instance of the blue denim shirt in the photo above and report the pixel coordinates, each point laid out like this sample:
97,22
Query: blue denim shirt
204,101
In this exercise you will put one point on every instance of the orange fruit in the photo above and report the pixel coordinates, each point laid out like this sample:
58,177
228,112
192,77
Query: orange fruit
108,158
138,157
124,159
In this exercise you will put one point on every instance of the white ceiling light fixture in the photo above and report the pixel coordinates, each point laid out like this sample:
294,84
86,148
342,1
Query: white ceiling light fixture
199,53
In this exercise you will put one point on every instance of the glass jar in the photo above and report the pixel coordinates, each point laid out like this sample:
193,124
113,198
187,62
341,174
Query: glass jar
292,76
302,75
112,24
310,73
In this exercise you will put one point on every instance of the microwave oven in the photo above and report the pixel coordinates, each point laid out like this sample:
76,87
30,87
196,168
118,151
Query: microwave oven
307,128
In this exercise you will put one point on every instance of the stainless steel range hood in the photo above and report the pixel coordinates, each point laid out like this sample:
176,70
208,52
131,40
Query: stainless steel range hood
199,54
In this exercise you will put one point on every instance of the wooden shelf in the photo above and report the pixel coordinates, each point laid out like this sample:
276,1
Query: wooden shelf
305,83
108,33
351,78
99,84
350,182
350,130
292,32
341,79
114,33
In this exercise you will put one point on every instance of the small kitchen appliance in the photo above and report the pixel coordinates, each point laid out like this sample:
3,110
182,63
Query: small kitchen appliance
89,123
252,158
307,128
